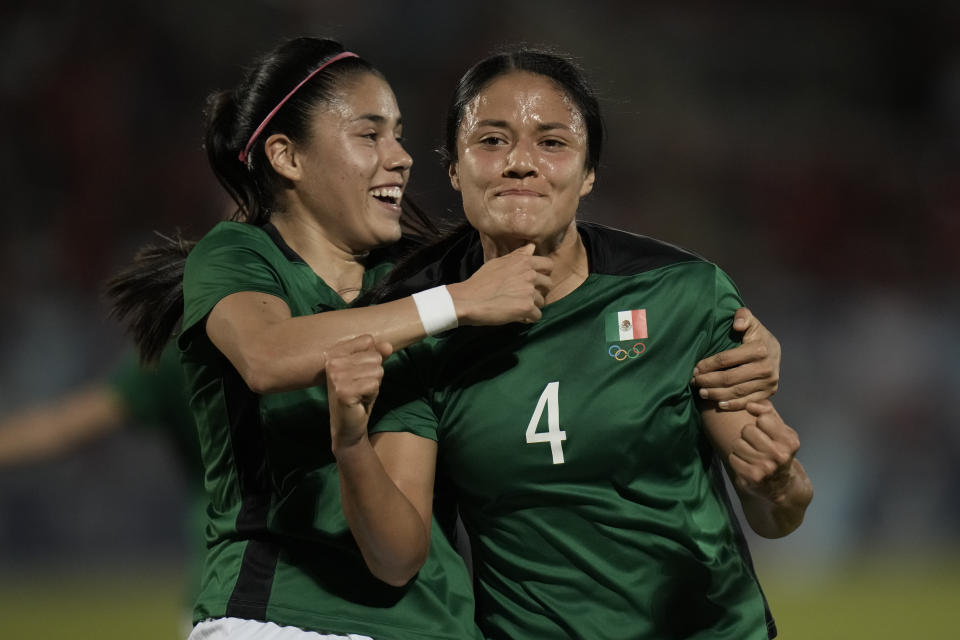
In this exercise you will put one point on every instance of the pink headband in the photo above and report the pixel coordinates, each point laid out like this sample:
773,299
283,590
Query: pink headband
246,150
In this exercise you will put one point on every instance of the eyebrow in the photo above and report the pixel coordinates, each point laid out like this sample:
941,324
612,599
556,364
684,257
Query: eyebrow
376,118
503,124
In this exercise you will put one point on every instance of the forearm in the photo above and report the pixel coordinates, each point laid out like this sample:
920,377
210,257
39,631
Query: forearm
391,534
781,512
758,450
292,353
273,351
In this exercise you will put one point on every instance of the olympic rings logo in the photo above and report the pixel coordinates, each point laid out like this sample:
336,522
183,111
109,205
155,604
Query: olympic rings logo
620,354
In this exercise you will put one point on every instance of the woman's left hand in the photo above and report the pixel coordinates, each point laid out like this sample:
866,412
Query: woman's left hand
748,373
354,371
773,486
762,457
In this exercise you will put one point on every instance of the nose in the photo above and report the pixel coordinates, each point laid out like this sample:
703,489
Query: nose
398,158
520,162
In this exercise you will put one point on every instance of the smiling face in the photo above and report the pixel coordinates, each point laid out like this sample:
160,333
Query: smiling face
521,154
354,167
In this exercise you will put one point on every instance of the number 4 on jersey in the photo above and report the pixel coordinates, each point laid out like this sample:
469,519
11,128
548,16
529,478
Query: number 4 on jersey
550,398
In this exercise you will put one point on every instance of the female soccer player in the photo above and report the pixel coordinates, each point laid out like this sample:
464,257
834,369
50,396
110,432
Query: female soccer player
587,472
309,147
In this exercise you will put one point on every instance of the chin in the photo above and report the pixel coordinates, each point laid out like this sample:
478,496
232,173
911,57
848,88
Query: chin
527,230
512,223
388,236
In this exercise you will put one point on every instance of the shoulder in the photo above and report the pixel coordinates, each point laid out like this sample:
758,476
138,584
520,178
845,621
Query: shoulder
233,233
232,257
616,252
230,241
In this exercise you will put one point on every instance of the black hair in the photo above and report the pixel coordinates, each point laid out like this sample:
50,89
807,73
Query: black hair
148,294
561,69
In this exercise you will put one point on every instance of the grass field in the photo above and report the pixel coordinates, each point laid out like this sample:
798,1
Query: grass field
114,605
875,599
890,599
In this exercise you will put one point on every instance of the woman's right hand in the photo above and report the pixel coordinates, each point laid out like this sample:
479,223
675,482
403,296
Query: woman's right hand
748,373
507,289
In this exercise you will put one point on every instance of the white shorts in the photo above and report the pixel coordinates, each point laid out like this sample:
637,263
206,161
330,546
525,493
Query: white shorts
237,629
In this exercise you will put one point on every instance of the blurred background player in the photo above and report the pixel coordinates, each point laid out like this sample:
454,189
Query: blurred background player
133,396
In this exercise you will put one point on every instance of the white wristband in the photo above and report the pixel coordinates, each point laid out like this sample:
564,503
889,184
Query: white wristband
436,310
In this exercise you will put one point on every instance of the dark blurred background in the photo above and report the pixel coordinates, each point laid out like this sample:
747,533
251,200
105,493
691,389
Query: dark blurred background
811,149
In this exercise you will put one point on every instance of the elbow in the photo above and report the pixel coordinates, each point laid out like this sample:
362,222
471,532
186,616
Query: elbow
268,369
781,527
260,372
398,574
784,519
772,524
395,579
774,532
259,383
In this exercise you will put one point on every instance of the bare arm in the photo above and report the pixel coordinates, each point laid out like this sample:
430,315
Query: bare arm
748,373
386,483
759,451
50,429
273,351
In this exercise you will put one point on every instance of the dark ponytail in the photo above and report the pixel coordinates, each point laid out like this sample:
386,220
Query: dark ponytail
220,115
147,295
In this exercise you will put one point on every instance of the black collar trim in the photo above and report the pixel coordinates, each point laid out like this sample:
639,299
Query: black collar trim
278,240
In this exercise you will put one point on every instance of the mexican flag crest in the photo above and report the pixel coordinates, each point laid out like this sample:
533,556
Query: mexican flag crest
626,325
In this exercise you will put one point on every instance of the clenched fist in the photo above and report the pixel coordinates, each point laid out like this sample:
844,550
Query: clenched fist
762,458
354,372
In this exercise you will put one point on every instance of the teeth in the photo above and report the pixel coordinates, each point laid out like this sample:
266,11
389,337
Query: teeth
393,193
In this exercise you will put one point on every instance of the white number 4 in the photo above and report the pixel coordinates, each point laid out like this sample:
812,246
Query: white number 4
551,398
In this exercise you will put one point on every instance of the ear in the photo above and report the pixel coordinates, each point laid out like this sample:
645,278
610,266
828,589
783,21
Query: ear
454,178
587,185
281,152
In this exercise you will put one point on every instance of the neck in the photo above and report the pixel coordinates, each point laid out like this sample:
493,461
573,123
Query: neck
570,264
336,265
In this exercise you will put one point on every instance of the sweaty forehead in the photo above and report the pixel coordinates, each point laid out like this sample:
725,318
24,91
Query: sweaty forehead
362,94
522,99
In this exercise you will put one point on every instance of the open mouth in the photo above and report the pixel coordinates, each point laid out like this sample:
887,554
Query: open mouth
389,195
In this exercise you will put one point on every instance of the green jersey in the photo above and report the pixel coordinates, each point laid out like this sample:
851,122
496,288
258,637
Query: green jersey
279,548
574,447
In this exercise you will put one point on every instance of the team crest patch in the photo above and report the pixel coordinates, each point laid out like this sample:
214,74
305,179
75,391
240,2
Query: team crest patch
626,326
